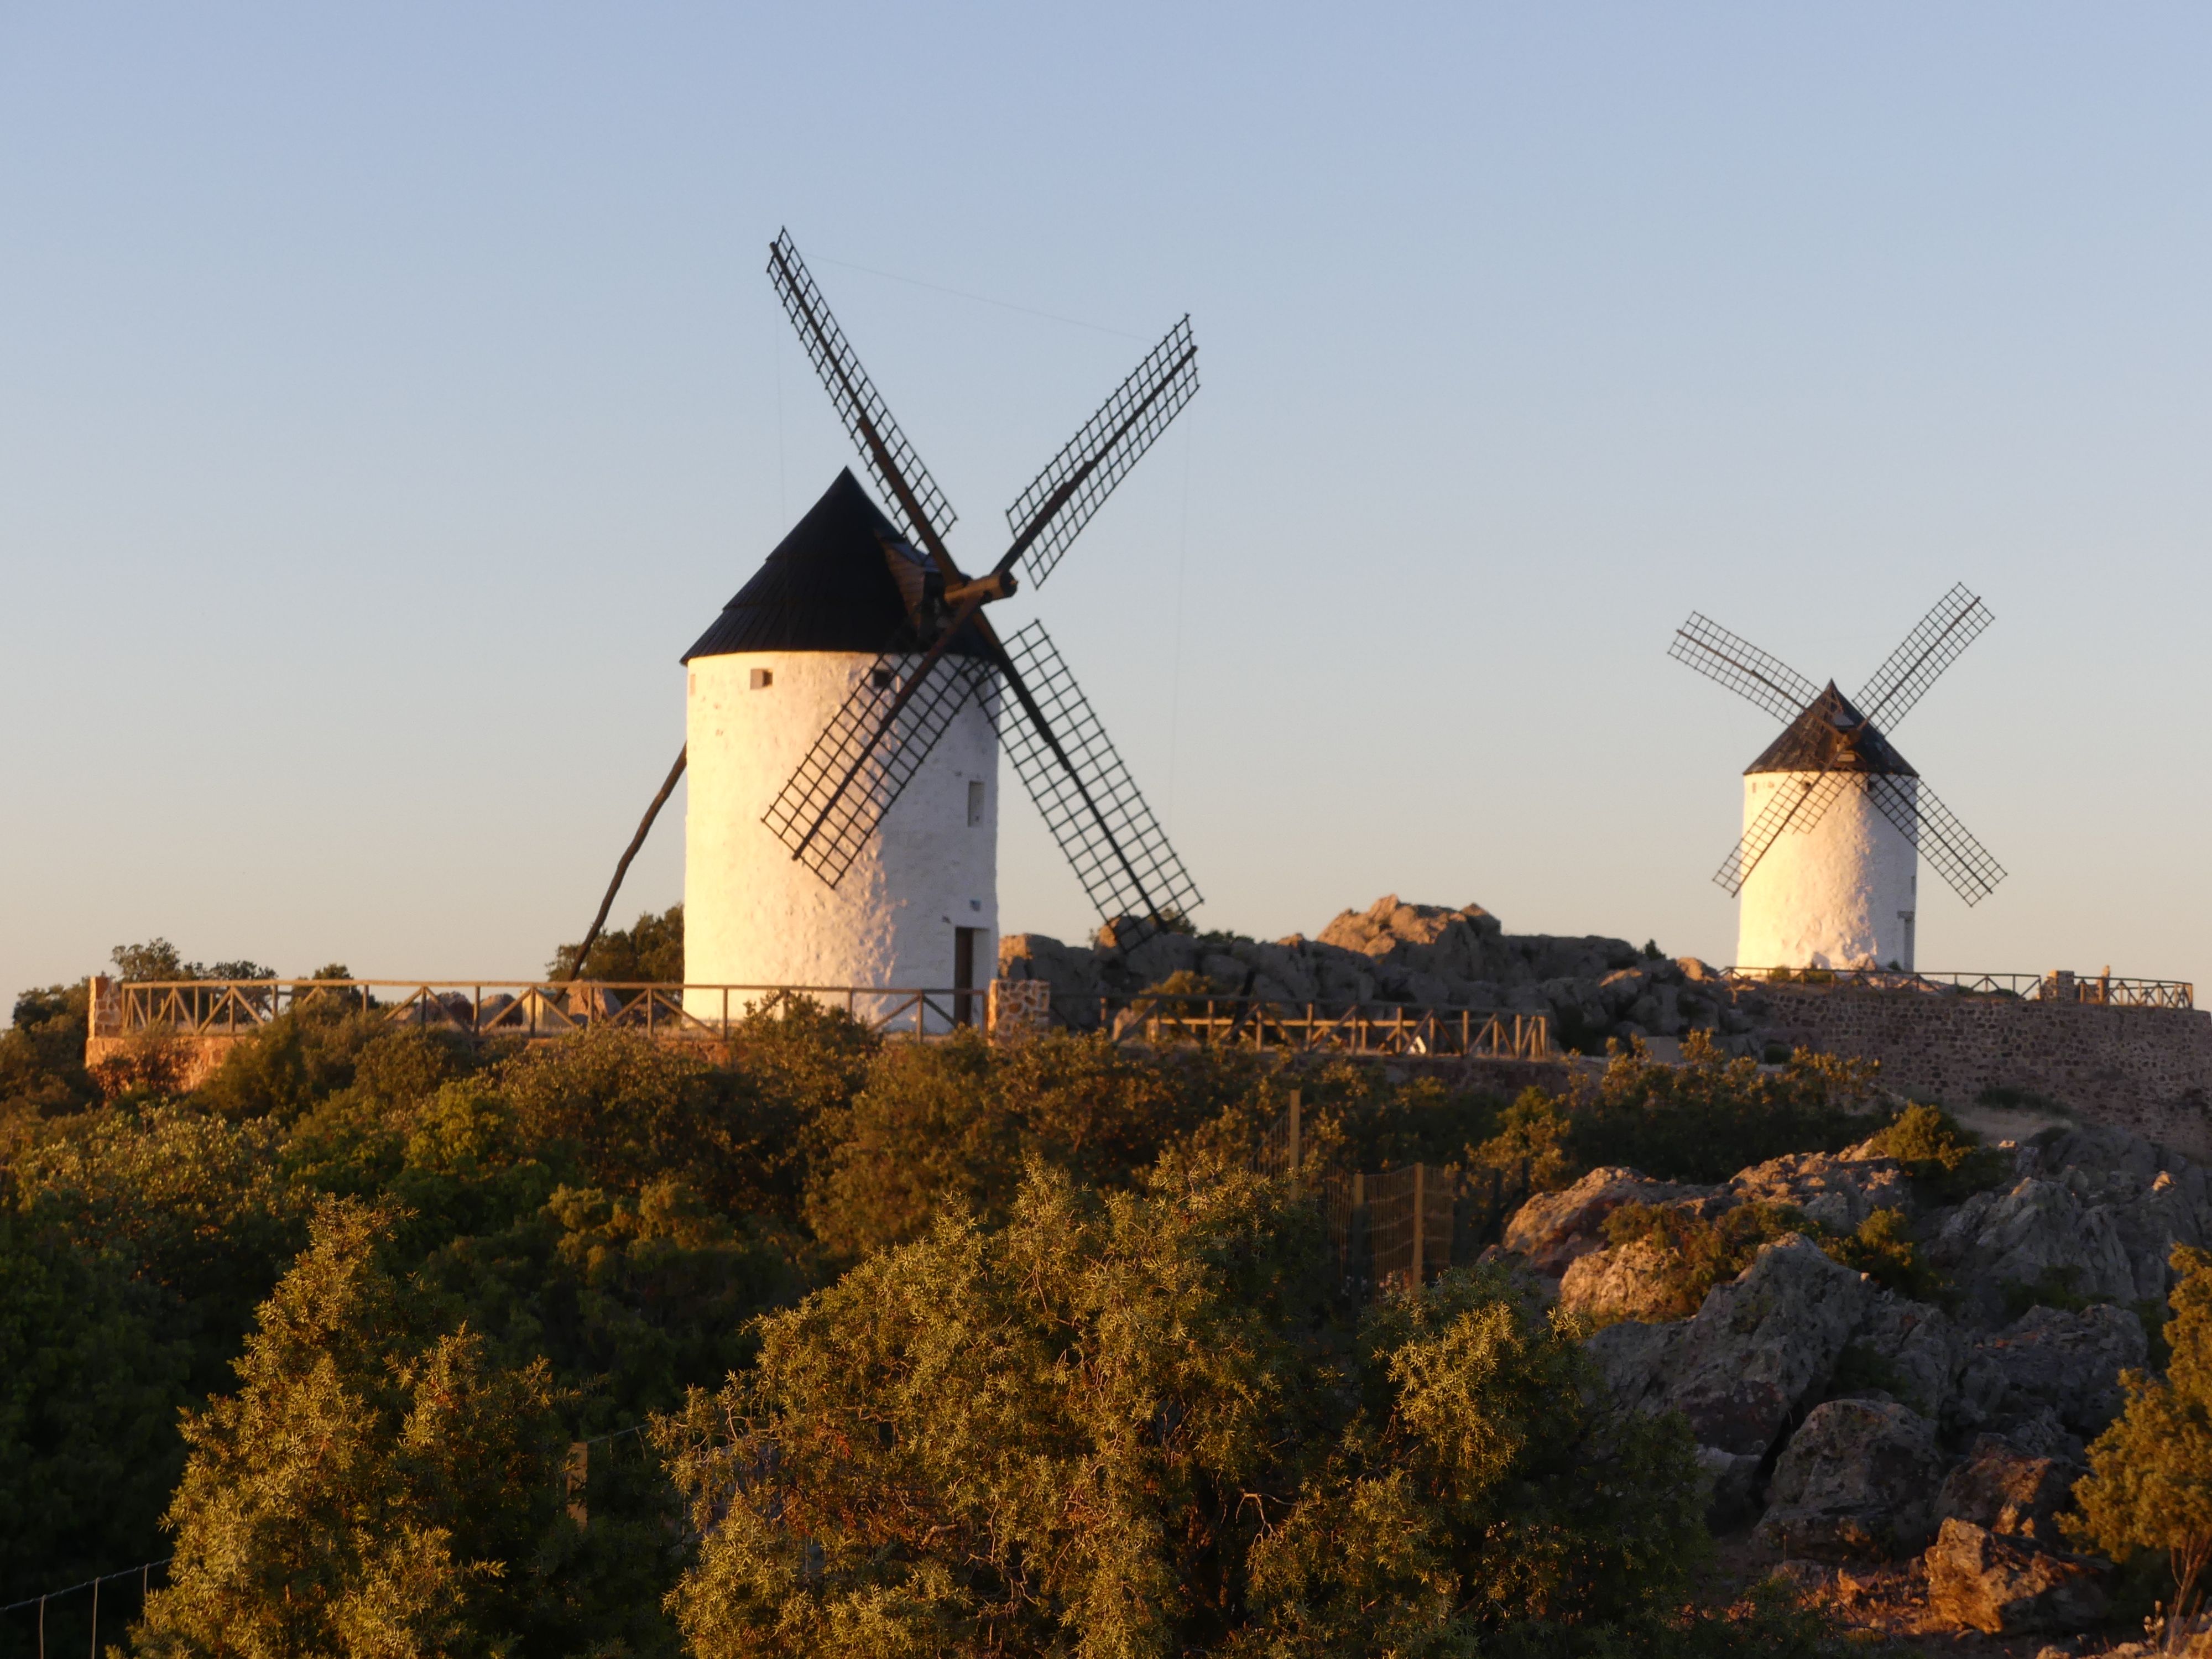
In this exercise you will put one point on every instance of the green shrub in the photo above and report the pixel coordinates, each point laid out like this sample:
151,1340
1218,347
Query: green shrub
2149,1486
648,951
1945,1161
376,1485
1699,1251
1533,1134
1142,1424
42,1071
1711,1116
1883,1246
2054,1287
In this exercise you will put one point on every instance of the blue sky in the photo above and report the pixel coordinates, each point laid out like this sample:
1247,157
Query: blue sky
388,396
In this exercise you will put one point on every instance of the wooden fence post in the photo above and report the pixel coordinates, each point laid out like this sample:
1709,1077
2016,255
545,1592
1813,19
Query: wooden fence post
1420,1218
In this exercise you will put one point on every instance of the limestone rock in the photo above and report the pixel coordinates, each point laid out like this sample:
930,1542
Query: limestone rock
1762,1344
1622,1283
2003,1587
2039,1232
1920,1347
1072,970
1856,1481
2009,1491
2068,1362
1840,1191
1551,1228
1443,943
1633,1356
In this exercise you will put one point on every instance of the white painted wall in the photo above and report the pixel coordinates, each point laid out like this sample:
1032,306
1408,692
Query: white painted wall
755,915
1836,896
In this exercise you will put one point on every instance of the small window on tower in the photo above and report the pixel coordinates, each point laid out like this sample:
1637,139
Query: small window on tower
880,678
763,678
976,804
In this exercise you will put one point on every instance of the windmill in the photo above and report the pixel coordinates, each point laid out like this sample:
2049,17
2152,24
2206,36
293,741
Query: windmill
845,712
1835,819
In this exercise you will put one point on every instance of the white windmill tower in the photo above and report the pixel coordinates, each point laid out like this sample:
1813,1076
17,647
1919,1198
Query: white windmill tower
844,711
1839,889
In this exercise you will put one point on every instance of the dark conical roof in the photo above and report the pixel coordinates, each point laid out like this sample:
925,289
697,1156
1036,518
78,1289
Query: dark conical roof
1832,736
840,582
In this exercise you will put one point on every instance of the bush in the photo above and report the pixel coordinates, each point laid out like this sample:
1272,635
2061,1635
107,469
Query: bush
1945,1161
1711,1117
2149,1486
42,1055
1142,1424
374,1486
1699,1251
1884,1248
953,1123
649,952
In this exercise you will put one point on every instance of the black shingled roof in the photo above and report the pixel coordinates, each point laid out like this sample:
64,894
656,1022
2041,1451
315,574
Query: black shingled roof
831,584
1832,736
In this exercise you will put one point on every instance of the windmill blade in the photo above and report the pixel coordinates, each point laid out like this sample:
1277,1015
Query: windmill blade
1927,650
868,754
916,500
1089,802
1942,840
1784,811
1052,512
1743,667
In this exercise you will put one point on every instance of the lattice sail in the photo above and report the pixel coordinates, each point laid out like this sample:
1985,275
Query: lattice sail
1060,501
1929,649
1743,667
1942,840
914,501
856,769
1092,805
1801,809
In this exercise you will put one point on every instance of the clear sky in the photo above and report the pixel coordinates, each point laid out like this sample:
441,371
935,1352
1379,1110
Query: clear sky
389,394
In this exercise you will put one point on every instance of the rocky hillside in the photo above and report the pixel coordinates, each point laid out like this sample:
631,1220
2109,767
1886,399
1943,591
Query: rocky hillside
1593,988
1913,1450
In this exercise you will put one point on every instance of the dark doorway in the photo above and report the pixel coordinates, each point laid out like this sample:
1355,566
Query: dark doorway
963,975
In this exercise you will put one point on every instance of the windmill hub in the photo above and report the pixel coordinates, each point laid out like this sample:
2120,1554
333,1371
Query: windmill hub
1836,821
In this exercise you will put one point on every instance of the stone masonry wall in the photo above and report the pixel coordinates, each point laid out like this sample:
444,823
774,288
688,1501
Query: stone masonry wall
2149,1070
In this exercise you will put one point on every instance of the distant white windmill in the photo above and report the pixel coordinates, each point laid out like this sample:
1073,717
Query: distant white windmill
1835,819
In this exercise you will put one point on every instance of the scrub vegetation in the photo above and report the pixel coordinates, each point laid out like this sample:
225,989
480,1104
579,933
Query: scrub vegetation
402,1346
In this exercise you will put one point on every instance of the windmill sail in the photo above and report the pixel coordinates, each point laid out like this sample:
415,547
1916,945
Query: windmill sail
1080,784
1929,649
1061,499
1800,811
1741,667
1942,840
916,501
868,754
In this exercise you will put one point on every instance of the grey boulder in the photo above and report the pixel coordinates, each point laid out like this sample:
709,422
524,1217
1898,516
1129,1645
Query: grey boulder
2003,1587
1856,1481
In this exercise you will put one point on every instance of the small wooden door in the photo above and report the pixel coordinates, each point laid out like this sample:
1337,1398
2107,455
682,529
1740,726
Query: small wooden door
963,975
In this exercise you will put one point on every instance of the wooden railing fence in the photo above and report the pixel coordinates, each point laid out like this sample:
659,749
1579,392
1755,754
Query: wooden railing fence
1400,1226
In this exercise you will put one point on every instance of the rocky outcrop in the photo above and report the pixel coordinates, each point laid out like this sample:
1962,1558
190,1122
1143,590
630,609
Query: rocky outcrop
1626,1283
1859,1480
2066,1362
2009,1491
1852,1423
1592,987
1754,1355
1553,1228
2003,1587
1840,1191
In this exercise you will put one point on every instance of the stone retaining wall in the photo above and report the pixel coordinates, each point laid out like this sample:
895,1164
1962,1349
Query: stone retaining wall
2149,1070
